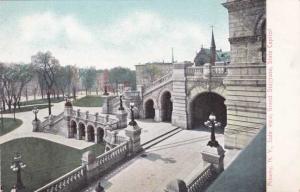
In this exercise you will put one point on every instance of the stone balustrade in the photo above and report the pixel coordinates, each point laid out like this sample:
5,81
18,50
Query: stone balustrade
203,180
68,182
161,80
100,119
115,155
79,177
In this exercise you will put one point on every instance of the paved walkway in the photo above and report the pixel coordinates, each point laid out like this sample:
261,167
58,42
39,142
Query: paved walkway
25,130
150,129
176,157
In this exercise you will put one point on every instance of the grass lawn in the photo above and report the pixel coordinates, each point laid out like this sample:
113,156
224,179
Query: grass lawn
89,101
26,108
41,101
45,161
9,125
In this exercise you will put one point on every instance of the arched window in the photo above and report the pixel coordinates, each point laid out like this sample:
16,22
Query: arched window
263,42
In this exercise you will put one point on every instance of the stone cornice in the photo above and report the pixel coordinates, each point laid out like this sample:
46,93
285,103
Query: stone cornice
242,4
255,38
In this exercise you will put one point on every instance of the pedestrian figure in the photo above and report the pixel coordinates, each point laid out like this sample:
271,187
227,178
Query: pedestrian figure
13,189
1,188
99,188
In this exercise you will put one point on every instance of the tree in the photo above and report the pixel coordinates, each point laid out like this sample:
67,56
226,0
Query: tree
88,78
47,65
14,77
152,72
122,75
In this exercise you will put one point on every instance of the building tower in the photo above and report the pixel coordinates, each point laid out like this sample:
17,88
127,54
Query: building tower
212,48
246,79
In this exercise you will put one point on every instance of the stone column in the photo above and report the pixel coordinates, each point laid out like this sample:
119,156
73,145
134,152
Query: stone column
86,134
179,113
67,118
157,116
78,131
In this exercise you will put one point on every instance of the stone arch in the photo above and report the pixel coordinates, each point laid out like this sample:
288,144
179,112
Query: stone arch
81,131
90,133
260,31
260,22
194,92
100,134
166,106
205,103
73,128
149,107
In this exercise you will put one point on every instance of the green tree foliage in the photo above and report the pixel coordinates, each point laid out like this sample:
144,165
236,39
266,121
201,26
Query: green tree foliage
152,72
88,78
47,66
122,75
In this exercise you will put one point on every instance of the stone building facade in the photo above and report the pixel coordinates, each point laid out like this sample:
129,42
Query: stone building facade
237,93
246,79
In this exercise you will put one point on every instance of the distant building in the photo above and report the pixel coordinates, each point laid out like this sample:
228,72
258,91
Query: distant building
203,56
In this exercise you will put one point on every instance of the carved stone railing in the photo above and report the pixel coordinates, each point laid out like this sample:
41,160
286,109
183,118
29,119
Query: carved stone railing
131,94
67,182
95,118
216,70
194,71
166,78
115,155
77,178
54,120
202,181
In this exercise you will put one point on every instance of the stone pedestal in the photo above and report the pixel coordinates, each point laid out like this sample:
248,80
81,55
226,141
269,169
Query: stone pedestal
122,117
36,125
214,156
134,133
89,160
107,108
110,139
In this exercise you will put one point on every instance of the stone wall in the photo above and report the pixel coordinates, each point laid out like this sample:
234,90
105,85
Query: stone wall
246,79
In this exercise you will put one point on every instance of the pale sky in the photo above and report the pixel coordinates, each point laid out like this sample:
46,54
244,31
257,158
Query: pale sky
109,33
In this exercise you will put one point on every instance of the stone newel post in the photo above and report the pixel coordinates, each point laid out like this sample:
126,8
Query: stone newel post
214,156
89,160
67,118
133,131
121,115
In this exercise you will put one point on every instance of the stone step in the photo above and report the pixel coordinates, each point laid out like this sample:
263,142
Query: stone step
161,138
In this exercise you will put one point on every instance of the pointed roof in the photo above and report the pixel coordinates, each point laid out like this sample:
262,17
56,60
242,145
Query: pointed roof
213,44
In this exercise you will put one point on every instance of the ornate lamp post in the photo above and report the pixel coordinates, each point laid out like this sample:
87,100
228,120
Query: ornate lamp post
121,103
35,112
132,122
16,166
212,124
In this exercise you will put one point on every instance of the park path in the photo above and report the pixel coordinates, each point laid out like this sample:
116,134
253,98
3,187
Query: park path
150,129
174,158
25,130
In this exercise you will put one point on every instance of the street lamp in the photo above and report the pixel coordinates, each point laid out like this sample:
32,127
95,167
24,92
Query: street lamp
16,166
121,103
132,122
35,111
212,123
